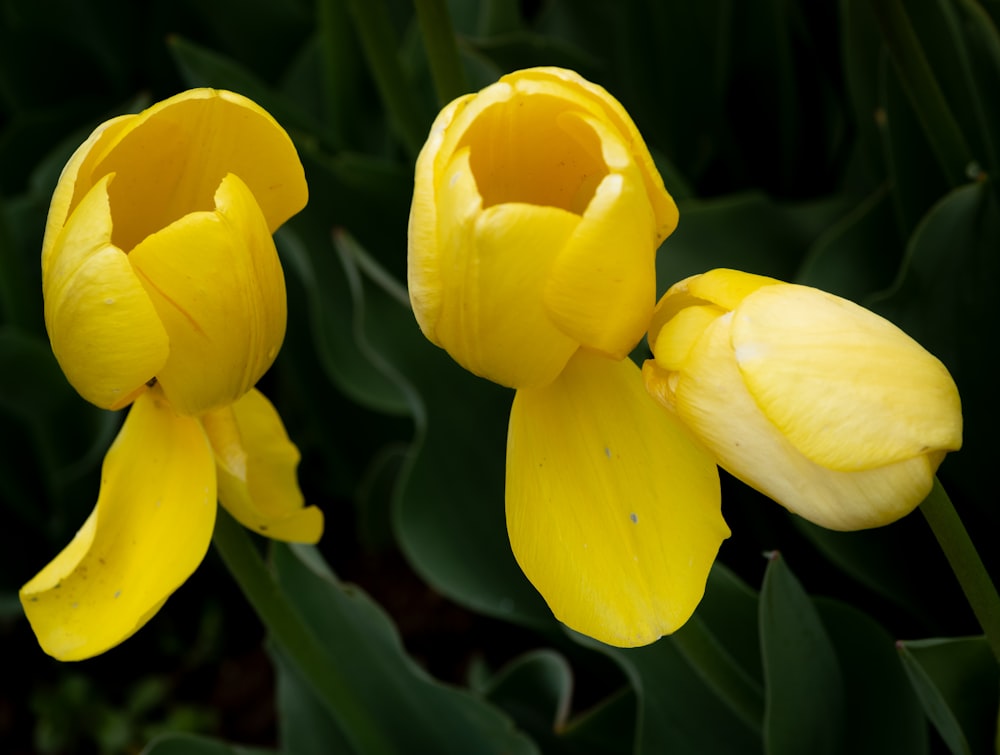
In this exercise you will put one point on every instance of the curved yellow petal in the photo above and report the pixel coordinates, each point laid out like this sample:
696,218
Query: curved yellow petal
423,249
680,334
216,282
849,389
256,465
149,531
711,398
529,149
721,287
105,332
69,192
664,208
171,158
492,266
602,286
613,511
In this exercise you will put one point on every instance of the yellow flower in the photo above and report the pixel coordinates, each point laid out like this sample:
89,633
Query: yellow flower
163,289
816,402
536,216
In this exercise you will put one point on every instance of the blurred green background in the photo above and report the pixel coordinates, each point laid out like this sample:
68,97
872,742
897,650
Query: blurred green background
797,143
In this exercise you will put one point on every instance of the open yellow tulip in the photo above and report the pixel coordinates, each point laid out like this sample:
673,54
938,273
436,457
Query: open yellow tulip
163,290
537,212
818,403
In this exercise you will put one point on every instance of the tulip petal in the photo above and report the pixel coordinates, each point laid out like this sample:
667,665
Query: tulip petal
423,248
256,471
149,531
493,322
849,389
722,287
171,158
602,287
69,191
712,399
572,84
216,282
105,332
613,511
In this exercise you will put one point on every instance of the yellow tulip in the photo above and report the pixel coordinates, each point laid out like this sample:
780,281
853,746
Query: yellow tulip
537,211
163,289
536,216
818,403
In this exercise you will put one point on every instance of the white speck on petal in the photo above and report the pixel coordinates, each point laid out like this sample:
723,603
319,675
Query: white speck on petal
109,301
748,352
118,593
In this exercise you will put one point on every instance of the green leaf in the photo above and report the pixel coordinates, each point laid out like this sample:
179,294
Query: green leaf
721,643
957,681
861,51
804,684
449,514
305,726
606,729
915,174
678,713
900,562
962,48
882,714
409,706
336,311
746,232
699,690
189,744
944,297
852,259
535,690
202,67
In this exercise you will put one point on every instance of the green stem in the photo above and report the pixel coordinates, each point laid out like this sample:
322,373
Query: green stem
717,668
442,52
965,562
296,640
922,88
371,19
337,53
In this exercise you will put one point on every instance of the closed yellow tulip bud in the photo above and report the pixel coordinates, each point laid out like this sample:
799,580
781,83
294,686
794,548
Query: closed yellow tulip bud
820,404
536,216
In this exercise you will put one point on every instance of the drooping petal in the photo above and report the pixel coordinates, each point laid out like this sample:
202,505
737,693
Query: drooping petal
149,531
602,287
104,330
849,389
493,264
256,471
216,282
171,158
712,399
613,511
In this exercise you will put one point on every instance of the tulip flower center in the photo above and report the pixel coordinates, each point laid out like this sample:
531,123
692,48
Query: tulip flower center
560,166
